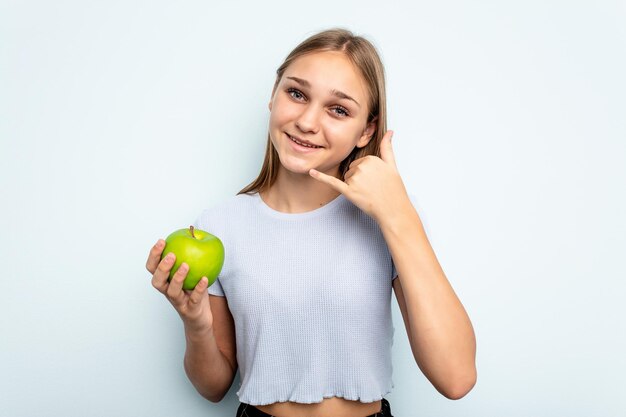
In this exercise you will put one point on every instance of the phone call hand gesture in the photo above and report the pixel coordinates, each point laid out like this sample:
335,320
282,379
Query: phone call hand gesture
371,183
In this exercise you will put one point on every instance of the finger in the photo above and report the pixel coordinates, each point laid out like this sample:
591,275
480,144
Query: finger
386,150
162,273
155,256
331,181
175,289
348,174
199,292
356,162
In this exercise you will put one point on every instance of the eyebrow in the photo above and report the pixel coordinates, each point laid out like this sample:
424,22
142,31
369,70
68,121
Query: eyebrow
335,93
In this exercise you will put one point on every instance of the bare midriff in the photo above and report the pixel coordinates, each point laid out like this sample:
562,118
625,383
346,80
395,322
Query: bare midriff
329,407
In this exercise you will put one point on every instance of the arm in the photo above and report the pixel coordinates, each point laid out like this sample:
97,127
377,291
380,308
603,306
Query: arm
440,332
210,358
206,367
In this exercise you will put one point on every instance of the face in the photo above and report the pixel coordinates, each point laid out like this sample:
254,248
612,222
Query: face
321,99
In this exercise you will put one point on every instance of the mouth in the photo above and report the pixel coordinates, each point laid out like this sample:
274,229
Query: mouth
303,144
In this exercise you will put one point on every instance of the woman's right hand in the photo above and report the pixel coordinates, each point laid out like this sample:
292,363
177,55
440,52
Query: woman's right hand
192,305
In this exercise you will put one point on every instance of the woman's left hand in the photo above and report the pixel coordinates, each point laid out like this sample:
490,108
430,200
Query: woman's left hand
371,183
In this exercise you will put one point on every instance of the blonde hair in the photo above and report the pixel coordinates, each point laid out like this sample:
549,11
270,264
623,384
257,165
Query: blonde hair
363,56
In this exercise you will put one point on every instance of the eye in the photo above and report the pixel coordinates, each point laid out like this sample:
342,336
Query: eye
297,94
293,90
341,109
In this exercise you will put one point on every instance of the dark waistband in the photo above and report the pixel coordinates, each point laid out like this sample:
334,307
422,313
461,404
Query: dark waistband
247,410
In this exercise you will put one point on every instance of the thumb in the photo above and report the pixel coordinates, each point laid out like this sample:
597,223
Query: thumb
199,292
386,150
329,180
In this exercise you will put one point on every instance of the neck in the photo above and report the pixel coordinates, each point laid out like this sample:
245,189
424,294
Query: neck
298,193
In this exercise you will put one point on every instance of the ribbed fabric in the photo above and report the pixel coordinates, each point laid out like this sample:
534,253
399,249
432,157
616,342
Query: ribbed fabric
310,294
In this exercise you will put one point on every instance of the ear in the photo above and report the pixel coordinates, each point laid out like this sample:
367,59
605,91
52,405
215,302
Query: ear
367,133
272,96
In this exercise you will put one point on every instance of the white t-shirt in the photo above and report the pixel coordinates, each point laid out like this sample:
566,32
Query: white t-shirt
310,295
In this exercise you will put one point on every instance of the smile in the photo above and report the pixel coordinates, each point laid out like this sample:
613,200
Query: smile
303,144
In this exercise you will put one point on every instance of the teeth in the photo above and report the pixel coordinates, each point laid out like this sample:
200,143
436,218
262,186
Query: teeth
303,144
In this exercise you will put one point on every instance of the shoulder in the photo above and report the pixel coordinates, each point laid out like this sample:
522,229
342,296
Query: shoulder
224,210
230,203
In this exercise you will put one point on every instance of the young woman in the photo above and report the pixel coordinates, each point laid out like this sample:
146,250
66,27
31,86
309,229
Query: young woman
313,249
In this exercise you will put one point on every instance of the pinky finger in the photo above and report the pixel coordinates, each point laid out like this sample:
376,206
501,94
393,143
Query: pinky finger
199,292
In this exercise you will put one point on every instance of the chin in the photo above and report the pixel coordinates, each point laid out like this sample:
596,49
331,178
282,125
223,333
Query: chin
296,166
298,170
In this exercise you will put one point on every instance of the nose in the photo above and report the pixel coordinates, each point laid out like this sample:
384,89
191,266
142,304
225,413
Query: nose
308,120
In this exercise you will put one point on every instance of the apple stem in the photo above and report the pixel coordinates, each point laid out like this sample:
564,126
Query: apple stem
191,229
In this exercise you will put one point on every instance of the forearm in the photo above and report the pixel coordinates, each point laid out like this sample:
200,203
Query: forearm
207,368
443,340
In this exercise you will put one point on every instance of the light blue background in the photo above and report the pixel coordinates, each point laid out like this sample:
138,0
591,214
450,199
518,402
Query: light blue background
121,120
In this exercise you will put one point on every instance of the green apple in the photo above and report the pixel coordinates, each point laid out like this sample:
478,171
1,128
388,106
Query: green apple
200,250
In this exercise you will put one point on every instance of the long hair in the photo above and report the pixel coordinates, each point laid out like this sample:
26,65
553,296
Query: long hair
365,58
